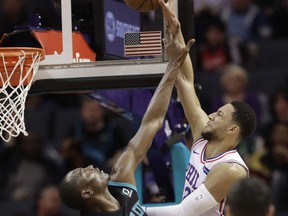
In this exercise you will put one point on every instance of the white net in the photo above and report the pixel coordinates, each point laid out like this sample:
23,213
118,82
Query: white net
13,96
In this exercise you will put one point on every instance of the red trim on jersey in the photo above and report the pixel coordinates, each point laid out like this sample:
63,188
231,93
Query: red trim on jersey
218,157
221,208
202,153
197,142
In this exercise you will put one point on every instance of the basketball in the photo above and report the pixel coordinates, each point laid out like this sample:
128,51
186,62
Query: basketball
142,5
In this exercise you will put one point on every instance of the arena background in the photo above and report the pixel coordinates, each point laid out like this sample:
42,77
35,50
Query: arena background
63,116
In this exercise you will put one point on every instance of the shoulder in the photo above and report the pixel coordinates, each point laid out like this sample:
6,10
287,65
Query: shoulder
127,195
221,177
228,171
123,170
123,191
226,158
230,167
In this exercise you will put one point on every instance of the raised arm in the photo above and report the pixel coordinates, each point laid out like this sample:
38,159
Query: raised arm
206,196
155,113
196,117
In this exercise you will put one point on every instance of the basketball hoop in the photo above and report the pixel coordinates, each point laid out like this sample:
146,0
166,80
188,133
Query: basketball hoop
18,66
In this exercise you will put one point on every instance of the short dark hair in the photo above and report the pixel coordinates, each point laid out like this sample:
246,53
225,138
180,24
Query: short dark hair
249,197
245,116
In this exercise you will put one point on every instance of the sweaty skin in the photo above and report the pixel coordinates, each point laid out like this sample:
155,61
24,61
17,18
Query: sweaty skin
92,183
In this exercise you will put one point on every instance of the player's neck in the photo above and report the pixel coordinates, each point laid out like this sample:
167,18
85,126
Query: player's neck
217,147
105,202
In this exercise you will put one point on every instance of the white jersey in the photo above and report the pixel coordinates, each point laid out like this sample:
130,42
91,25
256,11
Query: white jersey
198,169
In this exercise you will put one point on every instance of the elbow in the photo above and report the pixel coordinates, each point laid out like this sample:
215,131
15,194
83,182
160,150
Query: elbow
155,124
159,123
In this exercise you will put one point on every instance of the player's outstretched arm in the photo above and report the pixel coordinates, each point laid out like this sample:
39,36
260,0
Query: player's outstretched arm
206,196
196,117
155,113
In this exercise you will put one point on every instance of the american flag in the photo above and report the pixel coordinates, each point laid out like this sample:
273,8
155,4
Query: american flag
147,43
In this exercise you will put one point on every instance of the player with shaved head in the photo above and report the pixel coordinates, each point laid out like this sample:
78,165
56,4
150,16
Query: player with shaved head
94,192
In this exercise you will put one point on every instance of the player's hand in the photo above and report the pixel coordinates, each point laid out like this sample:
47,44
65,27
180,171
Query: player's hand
169,14
176,52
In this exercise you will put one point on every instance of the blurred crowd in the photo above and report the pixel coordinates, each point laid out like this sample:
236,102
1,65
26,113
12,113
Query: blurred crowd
69,131
229,31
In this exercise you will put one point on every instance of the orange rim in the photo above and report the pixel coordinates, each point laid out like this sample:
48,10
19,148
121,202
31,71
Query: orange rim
9,57
11,52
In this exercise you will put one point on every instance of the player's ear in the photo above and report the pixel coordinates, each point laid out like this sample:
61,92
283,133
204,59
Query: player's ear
86,194
233,129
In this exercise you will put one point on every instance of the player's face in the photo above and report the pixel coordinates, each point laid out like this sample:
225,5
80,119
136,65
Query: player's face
92,178
219,123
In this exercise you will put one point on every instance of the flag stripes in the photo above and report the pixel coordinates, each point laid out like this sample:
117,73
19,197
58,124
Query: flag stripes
142,43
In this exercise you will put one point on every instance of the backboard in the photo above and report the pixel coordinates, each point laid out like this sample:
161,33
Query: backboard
100,25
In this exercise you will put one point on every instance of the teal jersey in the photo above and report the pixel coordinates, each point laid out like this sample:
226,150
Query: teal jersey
127,196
